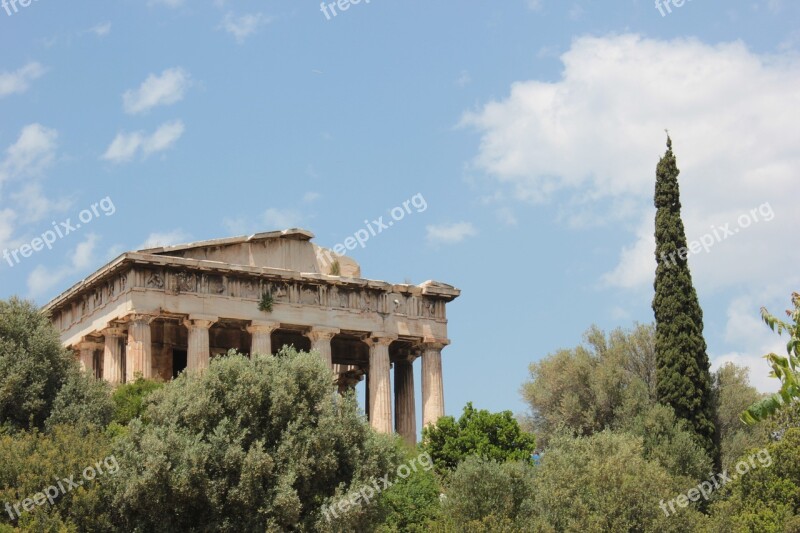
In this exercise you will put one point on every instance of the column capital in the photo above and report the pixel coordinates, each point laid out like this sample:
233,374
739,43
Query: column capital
200,321
141,317
320,333
259,326
380,339
432,343
113,331
89,344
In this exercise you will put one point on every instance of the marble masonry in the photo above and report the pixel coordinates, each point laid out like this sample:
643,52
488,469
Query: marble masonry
161,311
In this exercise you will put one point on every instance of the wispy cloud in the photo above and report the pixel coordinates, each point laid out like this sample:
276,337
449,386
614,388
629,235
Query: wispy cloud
126,146
19,81
157,239
242,27
450,233
157,90
32,152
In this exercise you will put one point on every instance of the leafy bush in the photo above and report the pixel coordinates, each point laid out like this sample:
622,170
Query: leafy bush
33,365
82,402
766,498
495,436
129,399
603,483
248,445
486,495
33,461
412,504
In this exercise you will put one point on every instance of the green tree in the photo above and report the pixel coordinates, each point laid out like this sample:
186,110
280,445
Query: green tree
496,436
33,461
733,394
787,369
683,376
249,445
604,483
82,402
765,494
411,505
484,495
670,442
129,399
590,387
33,365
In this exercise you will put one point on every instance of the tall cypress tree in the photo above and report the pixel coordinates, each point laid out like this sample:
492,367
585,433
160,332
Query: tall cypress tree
683,379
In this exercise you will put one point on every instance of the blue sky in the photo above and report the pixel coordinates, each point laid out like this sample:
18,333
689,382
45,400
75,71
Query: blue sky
532,129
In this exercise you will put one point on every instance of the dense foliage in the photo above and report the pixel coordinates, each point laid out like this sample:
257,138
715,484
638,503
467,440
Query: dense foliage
591,387
683,377
33,365
265,444
489,435
250,444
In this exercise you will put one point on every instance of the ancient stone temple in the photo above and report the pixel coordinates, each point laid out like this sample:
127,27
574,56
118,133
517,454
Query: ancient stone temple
161,311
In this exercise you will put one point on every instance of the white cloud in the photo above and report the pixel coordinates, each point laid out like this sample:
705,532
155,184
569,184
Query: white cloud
19,81
165,89
450,233
164,137
125,146
34,205
156,240
244,26
33,151
592,139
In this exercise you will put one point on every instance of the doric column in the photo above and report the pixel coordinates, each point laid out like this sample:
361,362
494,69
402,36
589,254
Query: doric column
404,402
86,350
432,383
112,355
380,392
139,353
199,353
261,334
321,342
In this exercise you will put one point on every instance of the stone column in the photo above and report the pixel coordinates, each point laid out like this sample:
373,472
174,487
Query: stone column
321,342
112,355
139,354
261,333
404,401
199,354
380,391
432,383
86,350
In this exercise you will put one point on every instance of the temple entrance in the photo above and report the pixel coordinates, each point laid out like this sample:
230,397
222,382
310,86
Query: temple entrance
178,362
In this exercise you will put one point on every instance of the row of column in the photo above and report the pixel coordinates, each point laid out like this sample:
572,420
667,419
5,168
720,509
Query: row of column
138,360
